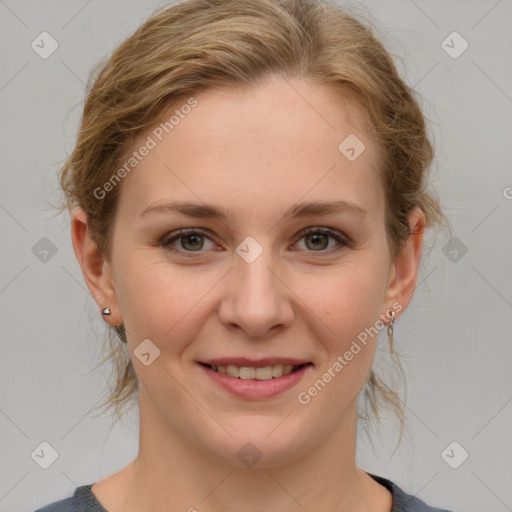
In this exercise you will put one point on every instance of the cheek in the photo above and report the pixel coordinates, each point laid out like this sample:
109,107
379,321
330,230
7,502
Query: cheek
158,300
349,306
348,303
347,300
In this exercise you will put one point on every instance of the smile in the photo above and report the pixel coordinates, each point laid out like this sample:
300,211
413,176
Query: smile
255,380
255,373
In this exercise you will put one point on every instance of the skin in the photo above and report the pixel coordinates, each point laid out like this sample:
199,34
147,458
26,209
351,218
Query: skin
255,152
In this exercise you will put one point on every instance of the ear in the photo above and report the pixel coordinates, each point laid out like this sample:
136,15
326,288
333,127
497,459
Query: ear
404,270
95,268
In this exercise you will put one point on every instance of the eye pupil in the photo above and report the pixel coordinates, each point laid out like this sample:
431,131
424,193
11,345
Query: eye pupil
195,238
315,238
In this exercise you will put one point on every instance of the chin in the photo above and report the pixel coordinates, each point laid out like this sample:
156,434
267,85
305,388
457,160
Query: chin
260,442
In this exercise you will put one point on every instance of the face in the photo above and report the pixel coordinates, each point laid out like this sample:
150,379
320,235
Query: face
273,284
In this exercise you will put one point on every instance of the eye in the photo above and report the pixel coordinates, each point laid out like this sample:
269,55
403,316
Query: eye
188,240
193,240
317,239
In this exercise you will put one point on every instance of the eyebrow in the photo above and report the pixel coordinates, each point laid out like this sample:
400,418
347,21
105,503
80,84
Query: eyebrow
304,209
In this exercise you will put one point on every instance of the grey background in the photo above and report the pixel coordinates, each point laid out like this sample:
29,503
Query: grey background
455,335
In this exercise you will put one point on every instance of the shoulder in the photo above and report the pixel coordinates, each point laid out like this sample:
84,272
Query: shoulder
403,502
58,506
83,500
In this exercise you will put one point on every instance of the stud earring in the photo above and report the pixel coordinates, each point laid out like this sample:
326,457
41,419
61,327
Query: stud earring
118,328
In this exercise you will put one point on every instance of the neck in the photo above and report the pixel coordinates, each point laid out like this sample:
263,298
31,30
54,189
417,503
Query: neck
168,470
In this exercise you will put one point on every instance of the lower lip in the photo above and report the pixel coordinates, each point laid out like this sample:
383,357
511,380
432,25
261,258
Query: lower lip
256,389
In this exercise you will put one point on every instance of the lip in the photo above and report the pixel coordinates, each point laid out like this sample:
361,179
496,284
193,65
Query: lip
256,389
256,363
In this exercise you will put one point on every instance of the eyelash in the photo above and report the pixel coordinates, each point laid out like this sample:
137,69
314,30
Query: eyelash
338,237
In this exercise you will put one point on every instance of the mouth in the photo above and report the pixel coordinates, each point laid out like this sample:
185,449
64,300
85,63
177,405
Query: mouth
247,372
253,380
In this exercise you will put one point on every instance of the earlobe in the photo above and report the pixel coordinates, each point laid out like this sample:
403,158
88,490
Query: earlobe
405,267
95,268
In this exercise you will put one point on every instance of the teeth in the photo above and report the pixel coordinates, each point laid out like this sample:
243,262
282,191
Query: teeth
232,370
251,373
277,370
247,373
264,373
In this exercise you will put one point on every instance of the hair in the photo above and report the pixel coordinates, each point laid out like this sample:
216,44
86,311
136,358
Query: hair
207,44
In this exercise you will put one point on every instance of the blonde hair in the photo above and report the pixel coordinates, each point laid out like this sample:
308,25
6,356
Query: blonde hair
198,44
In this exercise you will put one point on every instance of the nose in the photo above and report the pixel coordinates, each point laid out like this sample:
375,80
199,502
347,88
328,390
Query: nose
256,297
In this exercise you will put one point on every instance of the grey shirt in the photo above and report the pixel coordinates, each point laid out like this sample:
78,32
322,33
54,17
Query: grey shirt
83,500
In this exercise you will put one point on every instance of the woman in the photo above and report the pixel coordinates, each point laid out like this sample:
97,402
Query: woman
248,197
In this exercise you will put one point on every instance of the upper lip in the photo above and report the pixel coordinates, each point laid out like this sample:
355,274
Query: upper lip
256,363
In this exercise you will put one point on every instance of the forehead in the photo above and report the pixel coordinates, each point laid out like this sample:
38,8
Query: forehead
272,144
